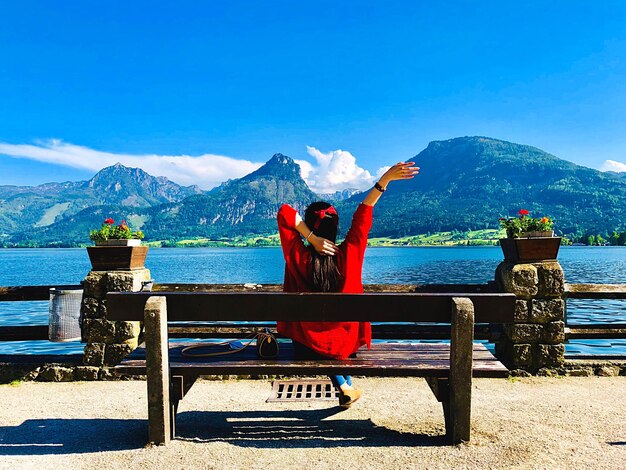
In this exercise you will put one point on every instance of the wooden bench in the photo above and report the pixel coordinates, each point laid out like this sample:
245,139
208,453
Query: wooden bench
448,368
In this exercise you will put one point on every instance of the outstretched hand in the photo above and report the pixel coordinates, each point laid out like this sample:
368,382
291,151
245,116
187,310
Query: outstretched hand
400,171
323,246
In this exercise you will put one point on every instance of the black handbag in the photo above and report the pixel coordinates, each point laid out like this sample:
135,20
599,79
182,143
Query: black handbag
267,346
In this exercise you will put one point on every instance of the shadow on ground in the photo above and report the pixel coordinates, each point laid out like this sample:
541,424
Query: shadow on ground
72,436
260,429
293,429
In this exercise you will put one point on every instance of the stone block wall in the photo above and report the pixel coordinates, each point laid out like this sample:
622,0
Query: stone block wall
535,340
108,342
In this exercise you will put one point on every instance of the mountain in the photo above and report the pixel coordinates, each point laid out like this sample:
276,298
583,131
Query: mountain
27,208
243,206
465,183
238,207
339,195
469,182
134,187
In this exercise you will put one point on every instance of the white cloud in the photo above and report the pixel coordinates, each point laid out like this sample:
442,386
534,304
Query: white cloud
206,170
381,171
306,169
334,171
612,165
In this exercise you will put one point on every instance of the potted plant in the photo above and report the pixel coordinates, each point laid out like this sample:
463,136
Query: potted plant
529,238
118,247
115,235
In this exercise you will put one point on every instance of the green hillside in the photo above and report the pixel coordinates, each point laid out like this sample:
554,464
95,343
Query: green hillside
464,186
468,183
246,206
59,212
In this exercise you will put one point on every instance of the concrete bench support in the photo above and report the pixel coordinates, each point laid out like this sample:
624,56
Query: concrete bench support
158,370
460,370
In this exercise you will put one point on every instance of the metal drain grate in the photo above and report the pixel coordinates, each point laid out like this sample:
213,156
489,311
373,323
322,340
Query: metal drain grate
302,390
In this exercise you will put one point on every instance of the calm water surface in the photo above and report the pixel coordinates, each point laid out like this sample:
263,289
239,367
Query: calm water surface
410,265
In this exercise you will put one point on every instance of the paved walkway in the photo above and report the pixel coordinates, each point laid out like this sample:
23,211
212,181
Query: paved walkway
573,422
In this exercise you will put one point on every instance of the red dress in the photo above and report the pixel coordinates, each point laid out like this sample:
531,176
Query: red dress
333,339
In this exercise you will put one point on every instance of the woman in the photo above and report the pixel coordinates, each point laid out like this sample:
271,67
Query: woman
324,266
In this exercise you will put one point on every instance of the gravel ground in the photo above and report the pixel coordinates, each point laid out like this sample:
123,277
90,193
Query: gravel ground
572,422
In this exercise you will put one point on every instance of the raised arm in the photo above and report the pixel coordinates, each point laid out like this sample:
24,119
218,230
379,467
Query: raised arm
400,171
362,219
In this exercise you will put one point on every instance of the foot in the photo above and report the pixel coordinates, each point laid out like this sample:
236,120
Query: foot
348,397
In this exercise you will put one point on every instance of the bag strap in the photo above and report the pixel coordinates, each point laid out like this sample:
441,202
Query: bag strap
260,337
185,351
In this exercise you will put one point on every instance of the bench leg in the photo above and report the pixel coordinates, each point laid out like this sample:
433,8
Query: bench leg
180,385
461,349
176,394
441,390
173,411
157,371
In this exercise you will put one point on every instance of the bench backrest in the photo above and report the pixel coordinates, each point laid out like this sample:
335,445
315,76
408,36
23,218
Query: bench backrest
269,306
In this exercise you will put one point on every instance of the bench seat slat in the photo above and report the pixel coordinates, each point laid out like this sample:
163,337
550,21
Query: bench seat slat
406,360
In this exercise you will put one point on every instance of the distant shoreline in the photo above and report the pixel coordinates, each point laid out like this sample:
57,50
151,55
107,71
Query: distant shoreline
485,237
158,247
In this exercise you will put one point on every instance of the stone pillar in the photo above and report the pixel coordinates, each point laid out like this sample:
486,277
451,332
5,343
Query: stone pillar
108,342
536,338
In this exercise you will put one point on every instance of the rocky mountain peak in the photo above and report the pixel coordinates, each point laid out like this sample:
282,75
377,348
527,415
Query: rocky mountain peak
120,184
280,158
118,176
280,166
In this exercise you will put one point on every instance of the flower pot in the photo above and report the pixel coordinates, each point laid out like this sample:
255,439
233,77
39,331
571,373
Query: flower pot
117,258
121,242
530,249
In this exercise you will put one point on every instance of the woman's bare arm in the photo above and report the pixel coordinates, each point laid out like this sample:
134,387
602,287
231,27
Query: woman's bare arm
400,171
321,245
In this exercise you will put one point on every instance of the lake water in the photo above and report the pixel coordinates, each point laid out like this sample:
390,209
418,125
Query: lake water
410,265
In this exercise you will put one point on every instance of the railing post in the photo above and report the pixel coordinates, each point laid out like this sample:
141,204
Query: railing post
157,370
461,351
108,342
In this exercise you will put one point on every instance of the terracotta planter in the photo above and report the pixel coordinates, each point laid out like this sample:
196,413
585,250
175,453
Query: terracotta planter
123,242
530,249
117,258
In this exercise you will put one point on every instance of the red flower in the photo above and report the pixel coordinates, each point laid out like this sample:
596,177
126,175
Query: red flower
523,212
109,221
123,224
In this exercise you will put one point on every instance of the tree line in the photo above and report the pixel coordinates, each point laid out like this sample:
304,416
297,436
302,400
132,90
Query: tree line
599,239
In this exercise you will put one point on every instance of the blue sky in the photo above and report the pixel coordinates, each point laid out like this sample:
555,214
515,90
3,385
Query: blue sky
203,91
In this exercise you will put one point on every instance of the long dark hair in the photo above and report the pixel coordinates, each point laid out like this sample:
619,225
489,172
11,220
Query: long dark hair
326,275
